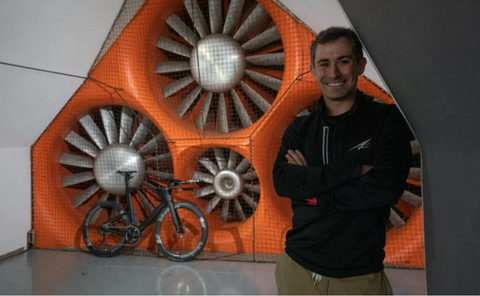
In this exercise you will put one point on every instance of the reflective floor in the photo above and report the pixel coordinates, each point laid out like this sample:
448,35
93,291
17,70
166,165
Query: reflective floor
59,272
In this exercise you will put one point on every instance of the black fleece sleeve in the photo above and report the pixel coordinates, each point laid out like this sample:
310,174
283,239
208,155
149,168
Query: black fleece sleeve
384,183
303,182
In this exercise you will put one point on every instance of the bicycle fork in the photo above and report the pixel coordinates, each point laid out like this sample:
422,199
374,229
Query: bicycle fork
175,217
167,197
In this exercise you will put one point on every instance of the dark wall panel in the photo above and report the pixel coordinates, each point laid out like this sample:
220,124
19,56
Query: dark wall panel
428,52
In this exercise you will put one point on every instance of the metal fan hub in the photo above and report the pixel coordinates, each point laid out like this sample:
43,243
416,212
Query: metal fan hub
217,63
118,157
228,184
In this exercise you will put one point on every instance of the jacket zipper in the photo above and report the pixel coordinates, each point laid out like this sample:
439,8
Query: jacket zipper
325,144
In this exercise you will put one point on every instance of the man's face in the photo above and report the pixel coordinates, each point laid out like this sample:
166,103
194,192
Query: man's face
336,69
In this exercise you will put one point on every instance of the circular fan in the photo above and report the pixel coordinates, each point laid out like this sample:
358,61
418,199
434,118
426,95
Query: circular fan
233,67
411,197
228,179
110,139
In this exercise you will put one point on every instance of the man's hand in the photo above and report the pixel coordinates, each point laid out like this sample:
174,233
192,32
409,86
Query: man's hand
365,169
296,157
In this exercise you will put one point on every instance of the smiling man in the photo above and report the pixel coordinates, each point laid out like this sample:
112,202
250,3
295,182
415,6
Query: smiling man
342,167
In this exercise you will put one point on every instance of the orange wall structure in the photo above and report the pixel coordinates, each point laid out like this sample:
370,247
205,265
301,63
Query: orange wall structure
126,76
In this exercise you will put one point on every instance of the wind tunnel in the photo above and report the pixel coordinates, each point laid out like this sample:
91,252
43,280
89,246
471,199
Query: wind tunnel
195,89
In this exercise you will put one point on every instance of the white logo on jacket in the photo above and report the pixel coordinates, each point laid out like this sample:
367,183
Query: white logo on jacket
363,145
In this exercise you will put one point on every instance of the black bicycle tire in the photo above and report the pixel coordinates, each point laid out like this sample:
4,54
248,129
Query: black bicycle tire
203,239
99,253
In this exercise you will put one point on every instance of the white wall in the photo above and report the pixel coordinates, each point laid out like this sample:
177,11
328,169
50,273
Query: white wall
15,201
321,14
38,38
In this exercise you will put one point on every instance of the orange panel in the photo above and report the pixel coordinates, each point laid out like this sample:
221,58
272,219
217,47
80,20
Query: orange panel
126,76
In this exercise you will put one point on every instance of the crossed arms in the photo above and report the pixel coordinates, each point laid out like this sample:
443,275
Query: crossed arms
347,184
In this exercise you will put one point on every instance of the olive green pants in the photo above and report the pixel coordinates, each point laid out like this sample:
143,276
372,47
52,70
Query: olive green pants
292,278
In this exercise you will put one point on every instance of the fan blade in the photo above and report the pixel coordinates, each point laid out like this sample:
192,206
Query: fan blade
262,39
209,165
243,166
411,198
266,80
241,111
161,175
102,198
202,116
271,59
182,29
149,185
74,179
188,101
239,210
249,201
212,204
222,114
158,158
146,204
415,147
93,131
143,129
204,177
171,67
377,100
126,121
173,46
82,144
415,173
215,12
233,16
250,176
225,207
204,191
152,144
254,188
255,97
176,86
232,159
197,17
109,124
304,112
84,195
76,160
252,21
219,157
395,219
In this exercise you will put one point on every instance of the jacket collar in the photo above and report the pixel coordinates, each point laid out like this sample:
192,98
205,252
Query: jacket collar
322,108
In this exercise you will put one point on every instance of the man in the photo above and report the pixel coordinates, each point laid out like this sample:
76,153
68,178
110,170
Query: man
342,166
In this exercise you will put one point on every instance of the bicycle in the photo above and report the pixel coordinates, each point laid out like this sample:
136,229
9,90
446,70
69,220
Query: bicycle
111,226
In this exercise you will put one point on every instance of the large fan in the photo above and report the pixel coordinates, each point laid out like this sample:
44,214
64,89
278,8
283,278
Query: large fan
228,179
110,139
233,66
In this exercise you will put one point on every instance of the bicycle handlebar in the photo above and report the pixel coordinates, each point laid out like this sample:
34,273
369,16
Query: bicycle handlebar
175,184
191,181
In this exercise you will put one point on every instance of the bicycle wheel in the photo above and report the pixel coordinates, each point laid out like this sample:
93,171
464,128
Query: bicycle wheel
188,244
104,229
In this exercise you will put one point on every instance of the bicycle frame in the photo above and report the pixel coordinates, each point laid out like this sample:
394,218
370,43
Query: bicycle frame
123,223
166,200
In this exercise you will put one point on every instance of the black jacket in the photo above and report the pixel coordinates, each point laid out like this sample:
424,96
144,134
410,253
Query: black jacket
343,235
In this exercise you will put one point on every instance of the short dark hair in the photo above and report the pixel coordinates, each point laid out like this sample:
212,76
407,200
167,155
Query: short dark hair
334,33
